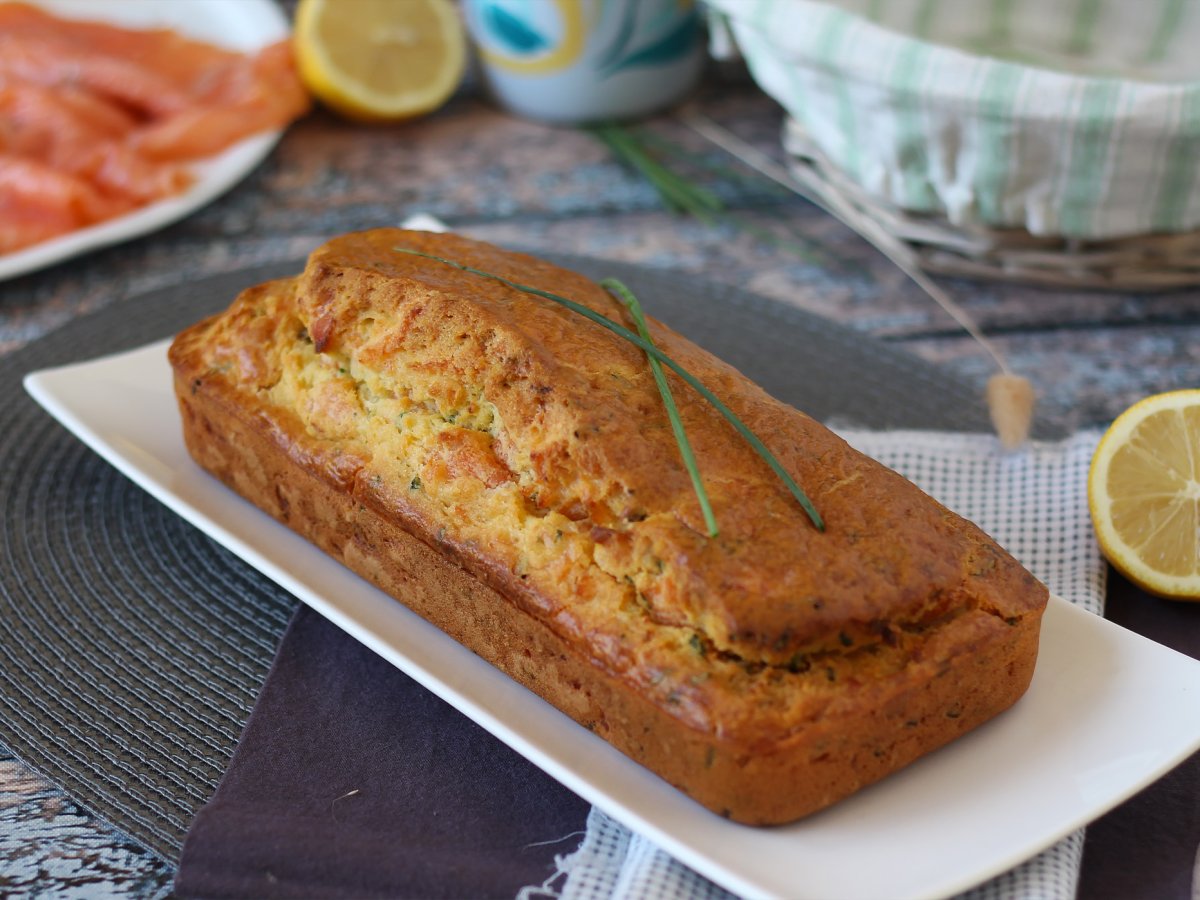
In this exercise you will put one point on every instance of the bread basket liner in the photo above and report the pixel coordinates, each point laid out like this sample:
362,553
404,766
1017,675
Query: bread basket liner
989,142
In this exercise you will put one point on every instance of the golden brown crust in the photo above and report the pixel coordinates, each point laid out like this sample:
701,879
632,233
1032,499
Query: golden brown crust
458,439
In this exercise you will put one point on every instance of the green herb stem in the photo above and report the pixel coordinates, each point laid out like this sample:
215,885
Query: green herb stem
651,350
766,236
646,153
627,297
678,193
749,179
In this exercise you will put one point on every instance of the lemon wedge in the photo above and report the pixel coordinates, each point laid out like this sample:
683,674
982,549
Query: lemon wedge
380,60
1144,494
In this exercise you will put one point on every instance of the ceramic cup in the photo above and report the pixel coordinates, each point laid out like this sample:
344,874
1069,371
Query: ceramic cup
576,61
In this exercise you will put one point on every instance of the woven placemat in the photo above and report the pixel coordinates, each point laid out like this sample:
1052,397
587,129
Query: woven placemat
132,647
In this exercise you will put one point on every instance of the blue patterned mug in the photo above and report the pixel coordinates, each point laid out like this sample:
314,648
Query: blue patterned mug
573,61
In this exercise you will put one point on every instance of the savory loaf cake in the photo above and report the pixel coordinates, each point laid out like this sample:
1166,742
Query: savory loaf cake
505,467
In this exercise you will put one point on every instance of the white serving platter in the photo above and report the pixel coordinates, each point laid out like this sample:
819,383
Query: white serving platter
1108,711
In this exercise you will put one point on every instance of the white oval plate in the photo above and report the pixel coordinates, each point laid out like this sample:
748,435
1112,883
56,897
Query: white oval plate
244,25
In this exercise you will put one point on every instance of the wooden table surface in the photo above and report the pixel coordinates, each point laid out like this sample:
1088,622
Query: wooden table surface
498,178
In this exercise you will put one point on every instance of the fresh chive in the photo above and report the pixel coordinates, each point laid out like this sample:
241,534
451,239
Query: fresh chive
643,151
797,247
668,195
678,193
750,437
750,179
627,297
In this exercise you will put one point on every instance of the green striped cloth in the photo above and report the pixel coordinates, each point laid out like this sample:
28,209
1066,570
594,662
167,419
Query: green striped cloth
1075,118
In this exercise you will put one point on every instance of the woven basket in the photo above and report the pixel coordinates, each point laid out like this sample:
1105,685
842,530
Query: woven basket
1151,262
1055,142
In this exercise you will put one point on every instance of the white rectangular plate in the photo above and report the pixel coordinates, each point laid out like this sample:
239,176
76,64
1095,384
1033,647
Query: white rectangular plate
1105,716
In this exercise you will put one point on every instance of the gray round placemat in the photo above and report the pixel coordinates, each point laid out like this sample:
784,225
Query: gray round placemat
132,647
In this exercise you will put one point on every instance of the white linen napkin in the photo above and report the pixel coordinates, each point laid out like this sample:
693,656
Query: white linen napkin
1034,503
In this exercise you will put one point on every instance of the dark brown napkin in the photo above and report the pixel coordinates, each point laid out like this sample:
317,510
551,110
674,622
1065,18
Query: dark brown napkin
351,780
1149,847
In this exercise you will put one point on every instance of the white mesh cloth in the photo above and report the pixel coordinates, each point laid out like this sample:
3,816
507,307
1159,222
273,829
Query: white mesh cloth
1034,503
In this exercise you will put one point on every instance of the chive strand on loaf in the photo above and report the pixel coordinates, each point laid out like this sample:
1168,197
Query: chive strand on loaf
652,351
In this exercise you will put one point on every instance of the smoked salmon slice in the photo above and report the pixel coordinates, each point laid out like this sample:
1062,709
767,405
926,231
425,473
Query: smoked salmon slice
97,120
38,202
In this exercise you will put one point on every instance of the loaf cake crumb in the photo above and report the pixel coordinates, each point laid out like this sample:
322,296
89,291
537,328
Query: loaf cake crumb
506,468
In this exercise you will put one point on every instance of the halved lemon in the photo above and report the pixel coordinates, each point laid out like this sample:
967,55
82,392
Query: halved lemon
1144,494
380,60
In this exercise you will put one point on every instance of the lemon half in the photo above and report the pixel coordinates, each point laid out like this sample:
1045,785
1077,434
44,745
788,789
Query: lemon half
380,60
1144,494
